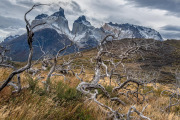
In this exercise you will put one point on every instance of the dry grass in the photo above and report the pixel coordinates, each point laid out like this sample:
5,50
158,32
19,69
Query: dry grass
34,106
41,105
27,105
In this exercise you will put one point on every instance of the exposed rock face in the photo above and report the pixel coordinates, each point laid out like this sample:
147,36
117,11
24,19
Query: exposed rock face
81,25
132,31
61,22
60,13
85,32
42,16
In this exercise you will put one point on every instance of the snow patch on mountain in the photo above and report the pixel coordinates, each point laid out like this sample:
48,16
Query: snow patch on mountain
83,33
56,21
132,31
9,38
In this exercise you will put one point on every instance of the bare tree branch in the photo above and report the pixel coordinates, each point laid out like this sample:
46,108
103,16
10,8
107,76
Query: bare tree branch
30,35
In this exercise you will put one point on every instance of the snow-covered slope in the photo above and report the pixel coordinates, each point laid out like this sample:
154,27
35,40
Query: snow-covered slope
87,35
56,21
9,38
132,31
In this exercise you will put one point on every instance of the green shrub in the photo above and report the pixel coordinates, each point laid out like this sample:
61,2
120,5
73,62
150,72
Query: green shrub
32,84
82,114
34,88
41,91
147,89
64,92
176,109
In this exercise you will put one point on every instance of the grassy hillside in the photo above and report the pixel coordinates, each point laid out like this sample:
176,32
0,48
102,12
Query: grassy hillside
64,102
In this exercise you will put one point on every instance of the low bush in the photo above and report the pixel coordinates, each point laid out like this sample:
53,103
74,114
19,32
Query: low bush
64,92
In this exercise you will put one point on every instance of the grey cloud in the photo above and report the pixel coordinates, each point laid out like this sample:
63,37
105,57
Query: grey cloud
12,18
27,3
119,20
71,8
6,22
97,22
11,10
171,32
76,6
171,28
172,6
107,11
171,35
105,6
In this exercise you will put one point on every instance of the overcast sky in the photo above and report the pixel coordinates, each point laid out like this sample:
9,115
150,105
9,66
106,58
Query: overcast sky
161,15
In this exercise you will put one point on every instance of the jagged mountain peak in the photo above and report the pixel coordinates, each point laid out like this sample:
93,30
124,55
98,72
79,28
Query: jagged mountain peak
82,20
56,21
81,25
41,16
126,25
59,13
129,30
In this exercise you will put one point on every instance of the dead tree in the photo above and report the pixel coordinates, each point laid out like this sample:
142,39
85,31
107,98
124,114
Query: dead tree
5,63
30,35
133,109
174,95
16,86
54,65
45,57
3,57
65,66
110,64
